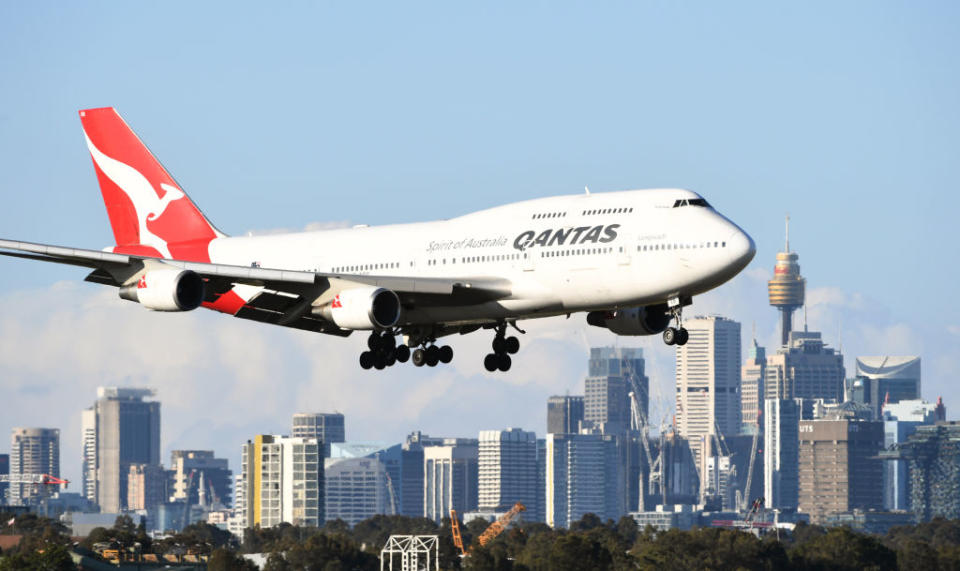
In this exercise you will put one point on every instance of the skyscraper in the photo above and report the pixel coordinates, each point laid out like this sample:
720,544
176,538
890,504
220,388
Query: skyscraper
839,467
900,420
781,449
411,472
328,427
751,386
32,451
146,486
507,470
583,475
88,452
896,378
932,453
127,432
4,471
805,369
613,374
564,414
283,481
708,381
363,479
450,477
217,476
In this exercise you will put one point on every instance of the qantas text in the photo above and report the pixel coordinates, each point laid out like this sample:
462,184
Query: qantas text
561,236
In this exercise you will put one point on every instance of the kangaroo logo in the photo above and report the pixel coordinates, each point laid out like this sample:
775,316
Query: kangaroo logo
146,201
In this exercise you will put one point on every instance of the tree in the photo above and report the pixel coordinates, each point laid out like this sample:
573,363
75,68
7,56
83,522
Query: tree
223,559
51,558
841,548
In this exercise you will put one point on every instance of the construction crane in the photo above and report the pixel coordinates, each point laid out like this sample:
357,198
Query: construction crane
186,500
455,530
640,425
497,527
42,482
753,458
391,494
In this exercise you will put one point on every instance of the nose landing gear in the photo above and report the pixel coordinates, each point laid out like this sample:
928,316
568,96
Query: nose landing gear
676,335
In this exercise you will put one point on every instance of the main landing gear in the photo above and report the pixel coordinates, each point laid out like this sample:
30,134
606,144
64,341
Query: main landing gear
384,352
676,335
503,347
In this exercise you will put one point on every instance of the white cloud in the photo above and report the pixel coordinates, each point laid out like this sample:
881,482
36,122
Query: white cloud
310,227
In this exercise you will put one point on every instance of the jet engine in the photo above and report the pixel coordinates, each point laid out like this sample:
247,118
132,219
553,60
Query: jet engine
166,290
363,308
648,320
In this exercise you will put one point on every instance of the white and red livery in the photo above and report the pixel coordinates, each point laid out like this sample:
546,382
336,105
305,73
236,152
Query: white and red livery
631,260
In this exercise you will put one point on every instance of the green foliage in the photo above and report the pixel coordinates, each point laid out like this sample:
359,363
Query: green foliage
710,548
51,558
223,559
841,548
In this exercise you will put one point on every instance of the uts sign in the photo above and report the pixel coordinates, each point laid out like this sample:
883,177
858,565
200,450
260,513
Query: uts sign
562,236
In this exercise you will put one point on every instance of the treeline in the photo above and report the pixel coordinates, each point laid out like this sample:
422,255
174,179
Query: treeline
590,544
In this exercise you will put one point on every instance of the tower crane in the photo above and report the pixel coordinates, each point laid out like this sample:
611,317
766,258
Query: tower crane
489,534
753,459
455,531
640,425
42,482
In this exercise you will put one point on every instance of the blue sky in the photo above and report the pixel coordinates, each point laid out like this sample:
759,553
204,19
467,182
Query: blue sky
278,116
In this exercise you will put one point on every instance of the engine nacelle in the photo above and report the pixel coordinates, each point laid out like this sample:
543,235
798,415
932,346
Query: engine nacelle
166,290
649,320
363,308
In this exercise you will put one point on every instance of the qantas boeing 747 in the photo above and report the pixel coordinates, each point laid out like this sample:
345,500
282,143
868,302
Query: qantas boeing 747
631,260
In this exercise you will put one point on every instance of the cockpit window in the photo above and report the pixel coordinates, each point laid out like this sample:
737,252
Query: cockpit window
691,202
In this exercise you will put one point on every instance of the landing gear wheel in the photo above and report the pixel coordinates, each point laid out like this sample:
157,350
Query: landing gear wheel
373,342
446,354
433,355
682,336
511,344
419,357
670,336
402,353
387,342
491,362
379,361
504,362
499,344
366,359
391,358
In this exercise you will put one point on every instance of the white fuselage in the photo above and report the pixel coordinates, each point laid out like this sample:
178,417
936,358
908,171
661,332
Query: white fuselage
561,254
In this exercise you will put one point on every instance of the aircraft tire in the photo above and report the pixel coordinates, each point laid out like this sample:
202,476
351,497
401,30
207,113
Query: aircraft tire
388,342
682,336
373,342
391,358
503,362
490,362
433,356
366,360
402,353
446,354
379,361
512,345
498,344
419,357
670,336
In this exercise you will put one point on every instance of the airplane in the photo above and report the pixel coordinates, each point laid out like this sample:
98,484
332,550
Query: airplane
631,260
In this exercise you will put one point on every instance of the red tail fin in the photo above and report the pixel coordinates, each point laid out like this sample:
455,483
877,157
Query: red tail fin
149,213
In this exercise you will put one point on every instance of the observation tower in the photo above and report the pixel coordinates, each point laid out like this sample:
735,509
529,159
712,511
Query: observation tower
786,289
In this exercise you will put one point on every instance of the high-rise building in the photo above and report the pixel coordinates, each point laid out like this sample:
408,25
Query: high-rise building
932,454
613,373
217,477
900,420
363,479
450,477
781,449
583,475
751,387
805,369
32,451
146,486
895,378
88,453
328,427
786,289
507,470
4,471
840,470
564,414
411,472
127,432
708,382
282,481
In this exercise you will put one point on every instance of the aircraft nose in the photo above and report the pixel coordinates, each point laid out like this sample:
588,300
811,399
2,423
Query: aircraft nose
742,248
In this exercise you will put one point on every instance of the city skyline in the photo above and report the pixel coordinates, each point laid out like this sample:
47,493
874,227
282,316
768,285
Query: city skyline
828,161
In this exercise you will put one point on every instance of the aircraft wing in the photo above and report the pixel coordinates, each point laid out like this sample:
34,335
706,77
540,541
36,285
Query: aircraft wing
282,297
